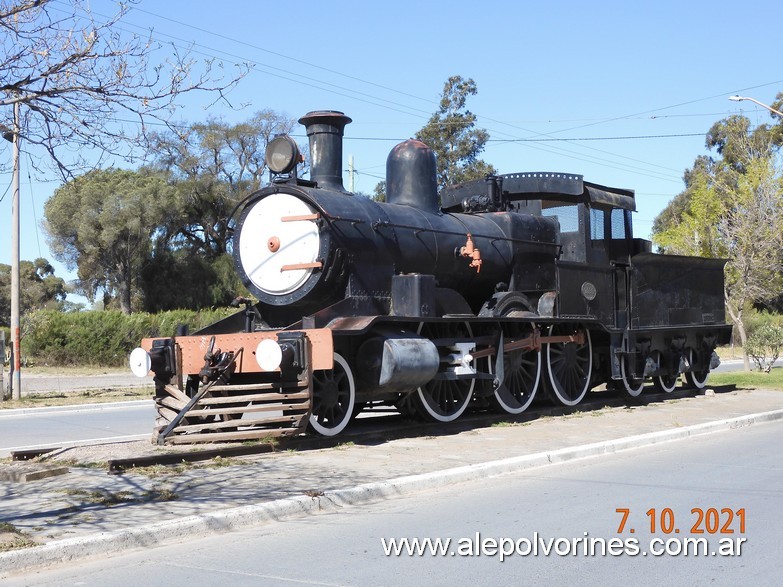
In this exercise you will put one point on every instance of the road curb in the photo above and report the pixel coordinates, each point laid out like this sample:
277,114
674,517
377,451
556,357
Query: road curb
157,534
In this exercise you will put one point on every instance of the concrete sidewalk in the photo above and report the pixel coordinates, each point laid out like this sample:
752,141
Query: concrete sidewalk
88,513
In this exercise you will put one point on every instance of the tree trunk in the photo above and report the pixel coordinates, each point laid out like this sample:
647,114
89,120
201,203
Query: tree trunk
124,288
744,340
736,317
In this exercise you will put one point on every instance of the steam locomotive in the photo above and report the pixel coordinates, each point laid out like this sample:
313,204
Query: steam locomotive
483,294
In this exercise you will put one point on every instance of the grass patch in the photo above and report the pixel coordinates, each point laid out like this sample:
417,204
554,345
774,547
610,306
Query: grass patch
86,396
729,353
72,370
749,380
110,498
154,471
507,424
12,538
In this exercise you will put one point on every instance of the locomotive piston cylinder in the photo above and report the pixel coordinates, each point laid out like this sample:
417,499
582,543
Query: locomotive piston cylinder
394,363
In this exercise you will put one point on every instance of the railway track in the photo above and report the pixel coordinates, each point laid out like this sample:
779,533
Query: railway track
383,424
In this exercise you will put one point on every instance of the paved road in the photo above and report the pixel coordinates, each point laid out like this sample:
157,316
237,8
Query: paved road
738,469
69,426
36,383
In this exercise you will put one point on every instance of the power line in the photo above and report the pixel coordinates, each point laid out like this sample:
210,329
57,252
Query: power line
614,138
403,108
352,95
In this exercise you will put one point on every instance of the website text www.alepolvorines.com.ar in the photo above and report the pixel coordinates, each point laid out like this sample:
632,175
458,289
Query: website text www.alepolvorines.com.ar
582,546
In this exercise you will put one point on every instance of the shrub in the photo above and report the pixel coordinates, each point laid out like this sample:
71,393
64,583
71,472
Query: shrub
764,345
101,338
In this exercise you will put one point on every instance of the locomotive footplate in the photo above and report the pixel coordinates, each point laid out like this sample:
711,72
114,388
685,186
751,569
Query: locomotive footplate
235,387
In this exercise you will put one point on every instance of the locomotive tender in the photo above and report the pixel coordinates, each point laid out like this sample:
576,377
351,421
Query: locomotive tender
484,294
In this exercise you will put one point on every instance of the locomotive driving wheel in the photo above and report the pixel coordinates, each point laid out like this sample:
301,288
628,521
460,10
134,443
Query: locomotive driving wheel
443,400
522,370
334,397
569,366
666,382
633,386
695,379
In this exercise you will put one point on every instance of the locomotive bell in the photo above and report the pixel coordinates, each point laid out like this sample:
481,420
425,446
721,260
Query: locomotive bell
411,176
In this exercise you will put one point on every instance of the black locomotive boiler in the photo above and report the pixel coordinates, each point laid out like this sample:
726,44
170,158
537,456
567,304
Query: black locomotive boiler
483,294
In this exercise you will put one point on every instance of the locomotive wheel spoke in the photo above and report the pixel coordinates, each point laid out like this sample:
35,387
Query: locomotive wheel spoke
443,400
632,386
666,382
569,366
334,397
695,379
522,375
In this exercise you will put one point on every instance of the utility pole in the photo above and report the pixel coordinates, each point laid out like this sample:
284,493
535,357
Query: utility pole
16,380
2,365
351,173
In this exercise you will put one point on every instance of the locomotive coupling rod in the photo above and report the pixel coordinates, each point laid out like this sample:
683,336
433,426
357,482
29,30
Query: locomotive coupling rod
577,338
531,343
528,343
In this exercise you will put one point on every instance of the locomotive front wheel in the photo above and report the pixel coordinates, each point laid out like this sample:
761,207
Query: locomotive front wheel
695,379
667,382
569,366
334,397
632,386
522,370
443,400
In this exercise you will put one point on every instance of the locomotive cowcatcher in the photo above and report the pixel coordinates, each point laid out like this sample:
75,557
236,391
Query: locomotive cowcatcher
484,295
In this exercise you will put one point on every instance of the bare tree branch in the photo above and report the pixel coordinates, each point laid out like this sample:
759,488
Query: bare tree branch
90,89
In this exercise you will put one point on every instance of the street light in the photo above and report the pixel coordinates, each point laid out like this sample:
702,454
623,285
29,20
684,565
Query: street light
770,108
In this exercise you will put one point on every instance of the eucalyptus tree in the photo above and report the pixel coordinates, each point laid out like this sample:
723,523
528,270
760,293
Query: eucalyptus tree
103,225
732,207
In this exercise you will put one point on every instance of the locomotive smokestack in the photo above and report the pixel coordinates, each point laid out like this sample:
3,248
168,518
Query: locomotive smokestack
325,132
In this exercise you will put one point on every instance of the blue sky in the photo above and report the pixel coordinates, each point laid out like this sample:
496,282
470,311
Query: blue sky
549,74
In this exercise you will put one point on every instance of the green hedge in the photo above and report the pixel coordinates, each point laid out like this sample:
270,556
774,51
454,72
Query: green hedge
100,338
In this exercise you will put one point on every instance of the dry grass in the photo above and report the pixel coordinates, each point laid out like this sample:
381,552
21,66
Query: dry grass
11,538
82,396
110,498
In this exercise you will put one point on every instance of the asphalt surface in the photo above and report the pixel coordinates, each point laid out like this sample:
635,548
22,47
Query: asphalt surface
87,513
31,428
497,531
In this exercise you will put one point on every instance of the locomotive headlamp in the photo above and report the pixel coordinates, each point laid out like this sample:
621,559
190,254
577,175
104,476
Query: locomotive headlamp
271,354
282,154
159,359
140,362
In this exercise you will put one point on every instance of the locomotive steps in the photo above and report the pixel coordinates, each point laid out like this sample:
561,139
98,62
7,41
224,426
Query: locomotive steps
279,485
